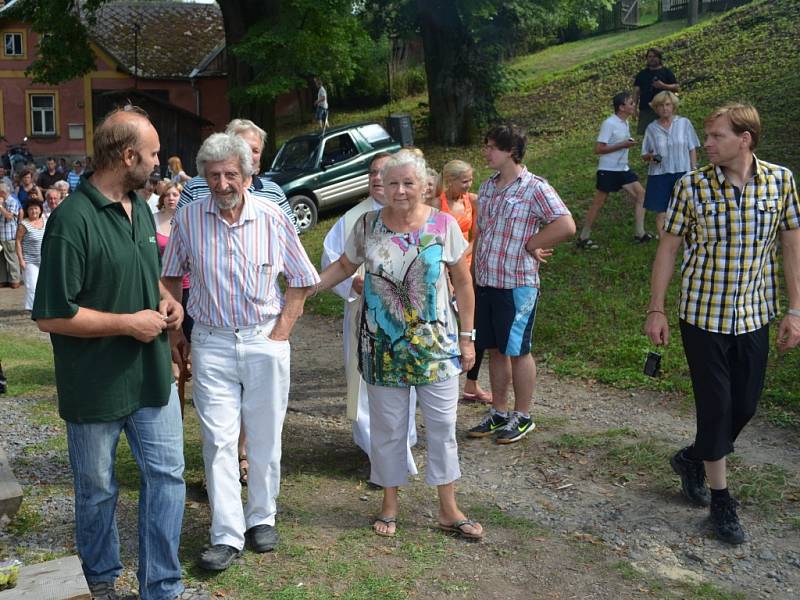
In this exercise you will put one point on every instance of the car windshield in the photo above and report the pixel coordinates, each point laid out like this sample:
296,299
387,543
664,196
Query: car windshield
296,154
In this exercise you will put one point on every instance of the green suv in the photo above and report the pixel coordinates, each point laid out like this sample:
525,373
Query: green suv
321,170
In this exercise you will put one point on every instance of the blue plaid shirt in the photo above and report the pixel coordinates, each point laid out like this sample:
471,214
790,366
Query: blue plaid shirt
8,227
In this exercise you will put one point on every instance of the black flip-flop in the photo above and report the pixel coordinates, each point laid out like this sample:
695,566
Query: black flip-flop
385,521
458,528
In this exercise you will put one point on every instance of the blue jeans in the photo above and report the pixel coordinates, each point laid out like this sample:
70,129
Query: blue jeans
155,436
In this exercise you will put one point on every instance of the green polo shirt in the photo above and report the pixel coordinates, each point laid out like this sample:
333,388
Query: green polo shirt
94,257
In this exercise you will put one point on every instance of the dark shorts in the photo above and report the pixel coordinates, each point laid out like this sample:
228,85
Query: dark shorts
659,191
612,181
504,319
320,114
727,378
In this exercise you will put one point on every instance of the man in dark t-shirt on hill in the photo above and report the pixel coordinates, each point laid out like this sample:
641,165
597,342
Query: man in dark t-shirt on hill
650,81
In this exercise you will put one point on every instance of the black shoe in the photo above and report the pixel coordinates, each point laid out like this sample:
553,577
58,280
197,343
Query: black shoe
218,557
491,424
726,522
693,478
262,538
516,429
644,238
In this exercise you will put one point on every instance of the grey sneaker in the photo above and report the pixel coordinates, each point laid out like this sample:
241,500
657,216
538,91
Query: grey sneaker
104,590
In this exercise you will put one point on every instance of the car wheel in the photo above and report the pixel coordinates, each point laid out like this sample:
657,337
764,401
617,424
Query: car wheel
305,212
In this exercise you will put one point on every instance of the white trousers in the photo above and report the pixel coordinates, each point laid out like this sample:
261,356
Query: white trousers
240,376
30,275
388,413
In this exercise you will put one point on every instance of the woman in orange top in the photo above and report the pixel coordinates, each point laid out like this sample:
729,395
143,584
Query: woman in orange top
457,200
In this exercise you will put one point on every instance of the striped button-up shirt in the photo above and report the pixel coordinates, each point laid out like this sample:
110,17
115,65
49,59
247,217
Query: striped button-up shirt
507,218
729,279
235,267
197,189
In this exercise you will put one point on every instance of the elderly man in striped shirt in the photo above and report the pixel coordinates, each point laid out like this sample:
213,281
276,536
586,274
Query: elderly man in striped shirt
729,216
235,245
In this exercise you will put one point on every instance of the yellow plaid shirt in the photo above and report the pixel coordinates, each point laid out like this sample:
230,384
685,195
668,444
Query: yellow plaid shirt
728,276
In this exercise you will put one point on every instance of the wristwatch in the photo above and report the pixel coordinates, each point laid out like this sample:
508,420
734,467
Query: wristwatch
795,312
467,334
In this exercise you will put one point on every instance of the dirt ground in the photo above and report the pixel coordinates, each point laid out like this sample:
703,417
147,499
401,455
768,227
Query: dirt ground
592,507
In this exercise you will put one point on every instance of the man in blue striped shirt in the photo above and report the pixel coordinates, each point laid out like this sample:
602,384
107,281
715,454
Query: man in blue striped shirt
74,176
260,187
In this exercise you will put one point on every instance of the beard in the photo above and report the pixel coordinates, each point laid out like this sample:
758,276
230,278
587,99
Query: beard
137,176
228,203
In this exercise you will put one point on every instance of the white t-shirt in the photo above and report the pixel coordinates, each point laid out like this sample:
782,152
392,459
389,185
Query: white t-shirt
613,131
152,202
322,98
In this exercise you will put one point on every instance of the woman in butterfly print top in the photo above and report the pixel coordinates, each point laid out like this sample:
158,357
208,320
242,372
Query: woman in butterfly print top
409,335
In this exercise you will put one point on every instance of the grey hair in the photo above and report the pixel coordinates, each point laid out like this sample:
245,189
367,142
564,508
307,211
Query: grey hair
403,158
4,188
61,184
238,126
222,146
52,189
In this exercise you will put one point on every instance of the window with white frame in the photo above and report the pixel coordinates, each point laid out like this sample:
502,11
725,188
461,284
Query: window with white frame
13,44
43,114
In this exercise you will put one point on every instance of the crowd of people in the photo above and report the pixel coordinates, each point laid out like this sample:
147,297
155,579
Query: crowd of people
433,277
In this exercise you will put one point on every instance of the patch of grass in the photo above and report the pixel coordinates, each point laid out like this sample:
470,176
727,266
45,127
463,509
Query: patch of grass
540,67
764,486
571,441
493,517
28,365
673,590
27,520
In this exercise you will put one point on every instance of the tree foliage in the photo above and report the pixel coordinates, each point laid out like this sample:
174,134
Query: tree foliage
465,43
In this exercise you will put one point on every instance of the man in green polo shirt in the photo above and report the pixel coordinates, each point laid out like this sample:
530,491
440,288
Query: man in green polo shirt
100,299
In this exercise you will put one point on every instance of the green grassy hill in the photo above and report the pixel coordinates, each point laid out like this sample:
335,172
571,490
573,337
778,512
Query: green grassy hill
593,304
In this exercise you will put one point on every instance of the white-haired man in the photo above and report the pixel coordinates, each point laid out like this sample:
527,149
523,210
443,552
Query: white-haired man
235,245
197,188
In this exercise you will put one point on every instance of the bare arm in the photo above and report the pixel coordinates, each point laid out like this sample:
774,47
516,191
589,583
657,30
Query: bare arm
603,148
789,327
465,297
21,231
693,158
335,273
292,310
656,326
7,214
560,230
144,325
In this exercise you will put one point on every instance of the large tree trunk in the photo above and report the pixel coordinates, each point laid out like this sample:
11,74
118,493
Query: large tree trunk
451,90
238,16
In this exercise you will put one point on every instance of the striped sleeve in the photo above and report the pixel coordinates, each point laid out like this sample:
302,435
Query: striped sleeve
195,189
272,192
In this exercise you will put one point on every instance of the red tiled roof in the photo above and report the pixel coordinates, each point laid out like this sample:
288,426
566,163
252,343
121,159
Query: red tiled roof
174,37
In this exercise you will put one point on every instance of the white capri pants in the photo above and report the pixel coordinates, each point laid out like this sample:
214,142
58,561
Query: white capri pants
240,376
388,415
30,275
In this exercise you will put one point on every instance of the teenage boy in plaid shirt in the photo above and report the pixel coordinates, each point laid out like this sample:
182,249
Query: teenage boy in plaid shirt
730,216
514,204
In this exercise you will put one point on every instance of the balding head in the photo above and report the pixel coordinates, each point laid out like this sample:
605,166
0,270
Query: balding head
120,132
